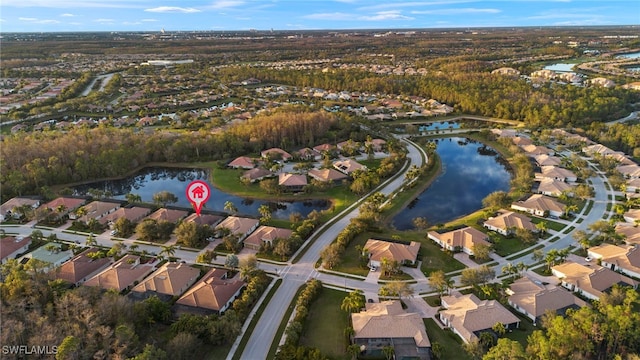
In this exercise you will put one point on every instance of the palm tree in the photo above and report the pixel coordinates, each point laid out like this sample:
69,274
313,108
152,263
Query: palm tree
353,350
265,213
134,247
353,302
169,250
542,227
133,198
230,207
388,351
91,240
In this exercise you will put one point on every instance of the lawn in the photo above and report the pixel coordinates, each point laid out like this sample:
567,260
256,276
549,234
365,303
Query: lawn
521,333
550,224
505,246
451,344
324,328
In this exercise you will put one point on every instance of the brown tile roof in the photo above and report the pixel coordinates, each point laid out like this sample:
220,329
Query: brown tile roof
97,209
630,232
387,320
379,249
204,219
468,314
81,266
592,279
9,245
169,215
69,203
466,237
267,234
545,160
348,166
212,292
133,214
170,279
625,257
509,220
244,162
536,299
285,155
541,203
327,175
238,225
121,274
292,180
521,141
256,173
629,170
553,186
323,147
556,172
15,202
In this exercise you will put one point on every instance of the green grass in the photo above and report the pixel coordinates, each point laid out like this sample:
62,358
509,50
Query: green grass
350,263
526,252
433,300
505,246
589,206
324,328
521,333
550,224
570,229
254,320
371,164
450,342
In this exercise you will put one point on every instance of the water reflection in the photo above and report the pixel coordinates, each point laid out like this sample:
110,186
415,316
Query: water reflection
471,171
175,180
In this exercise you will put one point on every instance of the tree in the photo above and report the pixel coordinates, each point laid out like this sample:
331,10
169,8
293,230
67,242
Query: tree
439,282
353,350
133,198
168,250
506,349
330,255
150,352
481,252
282,248
388,351
163,198
525,235
420,223
353,302
265,213
69,348
230,207
248,265
396,288
206,257
496,200
91,240
582,238
538,255
542,227
231,261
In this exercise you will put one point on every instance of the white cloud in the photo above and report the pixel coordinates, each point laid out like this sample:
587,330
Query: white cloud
67,15
39,21
378,16
149,20
70,4
396,5
223,4
104,21
386,15
27,19
454,11
330,16
172,9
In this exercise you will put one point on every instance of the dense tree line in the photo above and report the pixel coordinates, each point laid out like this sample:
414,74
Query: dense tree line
621,136
40,159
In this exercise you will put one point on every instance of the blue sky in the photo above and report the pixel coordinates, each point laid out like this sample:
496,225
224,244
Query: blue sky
219,15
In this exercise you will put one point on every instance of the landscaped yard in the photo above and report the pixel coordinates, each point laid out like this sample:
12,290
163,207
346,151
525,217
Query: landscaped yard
451,344
550,224
324,328
505,246
522,333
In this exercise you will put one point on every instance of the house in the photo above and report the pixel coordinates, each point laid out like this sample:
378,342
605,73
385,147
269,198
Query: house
591,150
256,174
392,251
292,182
553,187
508,221
204,219
632,216
169,215
133,214
557,173
348,166
521,141
589,280
469,316
377,144
276,154
11,246
266,235
213,294
547,160
327,175
506,71
51,255
540,205
94,210
507,133
624,259
81,267
171,279
308,154
633,185
239,226
536,150
123,274
630,171
65,204
460,240
322,148
533,299
387,324
11,207
630,232
242,162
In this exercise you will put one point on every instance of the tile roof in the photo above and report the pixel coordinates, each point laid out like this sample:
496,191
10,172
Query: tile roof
348,166
242,162
133,214
541,203
15,202
387,320
625,257
509,220
81,266
169,215
9,245
267,234
592,279
238,225
536,299
327,174
204,219
121,274
69,203
170,279
553,186
379,249
466,237
212,292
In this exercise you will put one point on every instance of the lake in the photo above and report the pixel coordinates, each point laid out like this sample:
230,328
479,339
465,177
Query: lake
439,125
151,180
560,67
634,55
470,172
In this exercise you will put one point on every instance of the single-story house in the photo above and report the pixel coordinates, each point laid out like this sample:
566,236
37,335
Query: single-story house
9,207
213,294
66,204
540,205
265,235
377,144
257,174
461,239
630,232
506,133
632,216
536,150
50,254
508,221
533,299
633,185
81,267
553,187
276,154
169,215
521,141
547,160
133,214
387,324
123,274
292,182
555,172
308,154
629,171
624,259
322,148
597,149
327,175
392,251
589,280
204,219
242,162
94,210
348,166
11,246
171,279
468,316
240,226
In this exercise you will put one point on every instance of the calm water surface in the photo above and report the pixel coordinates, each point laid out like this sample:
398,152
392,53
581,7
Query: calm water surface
175,180
471,171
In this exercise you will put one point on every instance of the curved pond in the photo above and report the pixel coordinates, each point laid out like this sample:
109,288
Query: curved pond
151,180
470,172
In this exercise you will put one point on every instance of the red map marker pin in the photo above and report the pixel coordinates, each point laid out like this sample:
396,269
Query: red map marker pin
198,193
